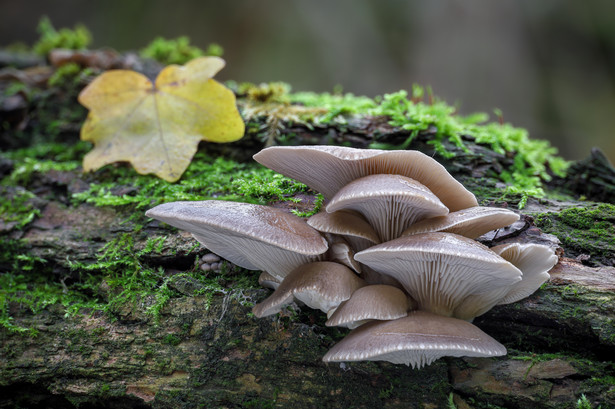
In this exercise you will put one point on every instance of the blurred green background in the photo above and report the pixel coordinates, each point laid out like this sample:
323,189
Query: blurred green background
549,65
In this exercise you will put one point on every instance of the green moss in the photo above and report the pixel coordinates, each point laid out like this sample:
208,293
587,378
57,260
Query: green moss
583,230
17,208
533,160
50,38
67,75
172,339
34,292
177,51
336,106
204,179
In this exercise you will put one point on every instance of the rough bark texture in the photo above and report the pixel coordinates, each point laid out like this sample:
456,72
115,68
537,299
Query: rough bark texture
211,352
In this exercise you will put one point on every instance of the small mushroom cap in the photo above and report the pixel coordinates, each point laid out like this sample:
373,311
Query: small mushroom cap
327,169
472,222
534,260
415,340
355,229
320,285
252,236
440,269
390,203
372,302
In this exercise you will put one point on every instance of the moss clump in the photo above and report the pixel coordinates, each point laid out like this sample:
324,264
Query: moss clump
586,230
337,106
18,208
69,75
177,51
76,39
533,161
205,178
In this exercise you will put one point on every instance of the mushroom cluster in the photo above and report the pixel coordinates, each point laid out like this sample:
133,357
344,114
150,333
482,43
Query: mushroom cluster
393,255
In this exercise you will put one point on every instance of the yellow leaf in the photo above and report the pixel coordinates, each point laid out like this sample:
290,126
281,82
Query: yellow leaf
157,127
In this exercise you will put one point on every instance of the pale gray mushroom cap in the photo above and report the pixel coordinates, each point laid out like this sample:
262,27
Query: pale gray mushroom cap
416,340
472,222
534,261
390,203
372,302
252,236
355,229
327,169
320,285
440,269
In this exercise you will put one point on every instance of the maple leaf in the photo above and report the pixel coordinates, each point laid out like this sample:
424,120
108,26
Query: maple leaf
157,126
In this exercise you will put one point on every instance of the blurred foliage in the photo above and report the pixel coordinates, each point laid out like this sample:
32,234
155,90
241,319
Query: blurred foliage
76,39
177,51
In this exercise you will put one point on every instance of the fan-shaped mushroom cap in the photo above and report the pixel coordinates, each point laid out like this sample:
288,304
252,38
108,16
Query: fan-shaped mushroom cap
534,261
416,340
472,222
390,203
358,232
440,269
327,168
252,236
320,285
372,302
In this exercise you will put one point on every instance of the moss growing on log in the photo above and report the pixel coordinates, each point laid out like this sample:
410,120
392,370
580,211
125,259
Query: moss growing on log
123,314
587,231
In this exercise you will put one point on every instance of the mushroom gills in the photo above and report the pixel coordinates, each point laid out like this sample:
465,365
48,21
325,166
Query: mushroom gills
416,340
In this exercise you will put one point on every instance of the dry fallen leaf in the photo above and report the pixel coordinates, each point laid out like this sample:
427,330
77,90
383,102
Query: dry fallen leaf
157,127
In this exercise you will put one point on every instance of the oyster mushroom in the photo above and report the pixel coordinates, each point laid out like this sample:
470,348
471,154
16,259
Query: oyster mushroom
439,270
472,222
252,236
327,169
320,285
534,261
416,340
390,203
372,302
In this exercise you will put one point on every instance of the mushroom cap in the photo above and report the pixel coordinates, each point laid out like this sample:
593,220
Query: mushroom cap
252,236
415,340
534,261
390,203
320,285
440,269
472,222
354,228
372,302
327,169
